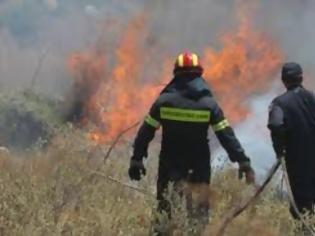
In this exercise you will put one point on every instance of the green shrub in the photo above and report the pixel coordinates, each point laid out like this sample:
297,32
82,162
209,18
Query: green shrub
26,119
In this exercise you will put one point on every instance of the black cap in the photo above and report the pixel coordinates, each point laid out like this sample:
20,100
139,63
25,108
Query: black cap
291,70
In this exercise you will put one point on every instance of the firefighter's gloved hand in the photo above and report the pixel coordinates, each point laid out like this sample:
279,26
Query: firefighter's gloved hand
246,169
136,169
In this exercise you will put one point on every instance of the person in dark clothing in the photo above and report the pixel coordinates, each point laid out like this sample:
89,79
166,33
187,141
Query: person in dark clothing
292,125
184,110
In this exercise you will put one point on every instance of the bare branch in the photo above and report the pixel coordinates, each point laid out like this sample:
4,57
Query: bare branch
111,179
118,138
40,62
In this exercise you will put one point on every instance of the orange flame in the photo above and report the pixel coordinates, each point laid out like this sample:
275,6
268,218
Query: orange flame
123,97
245,66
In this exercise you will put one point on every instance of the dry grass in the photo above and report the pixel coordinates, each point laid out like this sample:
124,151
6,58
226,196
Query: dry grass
56,192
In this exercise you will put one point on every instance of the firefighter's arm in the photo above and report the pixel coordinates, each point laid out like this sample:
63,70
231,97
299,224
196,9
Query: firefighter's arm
146,133
144,137
226,136
230,143
277,128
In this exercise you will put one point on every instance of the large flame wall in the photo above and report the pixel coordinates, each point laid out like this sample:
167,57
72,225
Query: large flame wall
116,94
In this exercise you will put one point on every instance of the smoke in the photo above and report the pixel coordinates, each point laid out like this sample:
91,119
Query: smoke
37,37
254,134
197,24
51,4
193,25
27,28
291,23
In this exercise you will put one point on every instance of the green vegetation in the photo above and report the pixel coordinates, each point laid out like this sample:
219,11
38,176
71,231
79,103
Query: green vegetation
27,119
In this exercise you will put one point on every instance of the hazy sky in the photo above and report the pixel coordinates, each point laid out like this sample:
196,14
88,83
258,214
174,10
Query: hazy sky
29,27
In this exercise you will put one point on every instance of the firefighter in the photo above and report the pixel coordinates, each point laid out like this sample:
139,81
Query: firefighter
292,125
184,110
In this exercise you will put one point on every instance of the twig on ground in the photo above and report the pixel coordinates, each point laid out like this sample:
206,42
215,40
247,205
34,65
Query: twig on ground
112,179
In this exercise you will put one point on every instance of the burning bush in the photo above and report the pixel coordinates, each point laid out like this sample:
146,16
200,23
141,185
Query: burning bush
85,66
26,119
